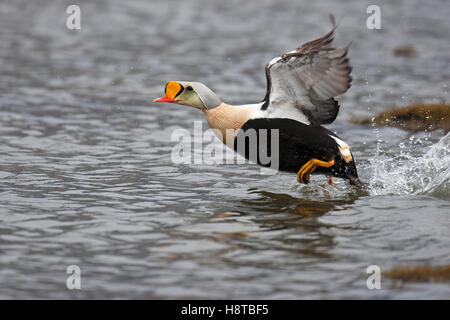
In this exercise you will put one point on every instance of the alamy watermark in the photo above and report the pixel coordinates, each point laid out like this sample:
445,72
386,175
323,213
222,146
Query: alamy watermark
74,279
374,280
259,146
374,20
73,21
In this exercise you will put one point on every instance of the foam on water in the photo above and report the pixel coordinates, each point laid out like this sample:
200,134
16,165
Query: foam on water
408,173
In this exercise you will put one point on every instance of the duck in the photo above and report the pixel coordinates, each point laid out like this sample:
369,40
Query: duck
300,98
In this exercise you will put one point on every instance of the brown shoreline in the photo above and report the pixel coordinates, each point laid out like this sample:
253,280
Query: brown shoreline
417,117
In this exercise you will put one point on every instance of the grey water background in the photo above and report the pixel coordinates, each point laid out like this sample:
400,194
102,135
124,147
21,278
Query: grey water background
86,176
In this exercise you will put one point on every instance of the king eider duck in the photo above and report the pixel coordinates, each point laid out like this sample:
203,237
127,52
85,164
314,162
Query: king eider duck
301,86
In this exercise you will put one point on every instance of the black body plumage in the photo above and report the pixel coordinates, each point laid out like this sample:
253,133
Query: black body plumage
298,143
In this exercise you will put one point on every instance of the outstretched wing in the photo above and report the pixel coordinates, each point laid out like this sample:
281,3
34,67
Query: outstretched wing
307,79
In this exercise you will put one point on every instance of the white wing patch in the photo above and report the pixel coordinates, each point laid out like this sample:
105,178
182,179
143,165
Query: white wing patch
344,149
287,113
272,113
274,60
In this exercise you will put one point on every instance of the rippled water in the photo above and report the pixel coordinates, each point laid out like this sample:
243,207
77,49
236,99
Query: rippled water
86,176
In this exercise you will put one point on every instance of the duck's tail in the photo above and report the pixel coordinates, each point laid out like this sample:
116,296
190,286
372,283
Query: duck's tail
354,181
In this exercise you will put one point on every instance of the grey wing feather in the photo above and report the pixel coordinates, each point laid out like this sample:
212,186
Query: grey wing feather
309,78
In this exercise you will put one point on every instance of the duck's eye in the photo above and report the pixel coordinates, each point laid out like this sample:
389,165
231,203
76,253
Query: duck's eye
189,88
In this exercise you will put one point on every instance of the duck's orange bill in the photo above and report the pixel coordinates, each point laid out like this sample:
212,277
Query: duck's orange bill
164,99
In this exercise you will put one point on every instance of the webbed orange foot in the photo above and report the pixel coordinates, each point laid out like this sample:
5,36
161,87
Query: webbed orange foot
330,181
304,173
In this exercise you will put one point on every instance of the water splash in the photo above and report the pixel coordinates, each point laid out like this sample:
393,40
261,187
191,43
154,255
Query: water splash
410,173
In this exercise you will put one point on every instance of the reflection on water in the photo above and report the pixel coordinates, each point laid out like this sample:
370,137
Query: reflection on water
86,176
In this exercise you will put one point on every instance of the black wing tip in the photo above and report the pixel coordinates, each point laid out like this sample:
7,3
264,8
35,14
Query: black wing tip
332,19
